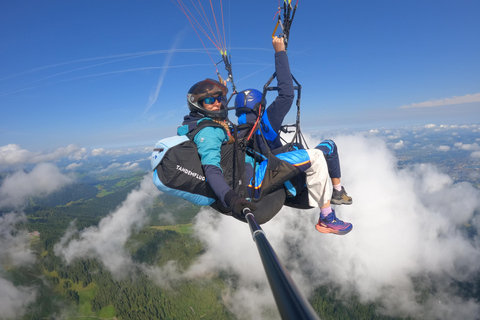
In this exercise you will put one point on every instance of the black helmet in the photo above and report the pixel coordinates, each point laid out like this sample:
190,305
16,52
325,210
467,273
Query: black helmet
204,89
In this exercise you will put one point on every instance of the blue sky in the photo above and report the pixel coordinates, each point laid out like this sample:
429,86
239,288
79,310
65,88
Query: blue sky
105,74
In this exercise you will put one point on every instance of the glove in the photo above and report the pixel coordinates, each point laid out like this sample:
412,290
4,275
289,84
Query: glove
240,204
237,204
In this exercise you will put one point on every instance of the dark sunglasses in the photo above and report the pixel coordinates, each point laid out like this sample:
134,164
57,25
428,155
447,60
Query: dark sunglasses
211,100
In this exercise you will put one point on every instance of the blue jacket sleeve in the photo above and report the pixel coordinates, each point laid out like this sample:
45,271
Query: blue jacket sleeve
277,111
209,142
217,182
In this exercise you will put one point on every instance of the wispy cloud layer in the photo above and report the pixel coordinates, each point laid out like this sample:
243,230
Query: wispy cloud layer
14,248
469,98
13,154
44,179
112,232
13,300
14,251
14,240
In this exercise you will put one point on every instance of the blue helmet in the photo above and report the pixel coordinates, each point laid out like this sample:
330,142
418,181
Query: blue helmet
248,101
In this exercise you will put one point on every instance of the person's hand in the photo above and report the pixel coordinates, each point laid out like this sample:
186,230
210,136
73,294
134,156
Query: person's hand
278,44
237,204
240,204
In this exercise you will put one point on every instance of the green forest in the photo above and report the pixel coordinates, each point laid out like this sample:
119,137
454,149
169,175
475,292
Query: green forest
85,289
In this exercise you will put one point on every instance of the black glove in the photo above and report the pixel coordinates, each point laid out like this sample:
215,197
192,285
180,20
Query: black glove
237,204
242,203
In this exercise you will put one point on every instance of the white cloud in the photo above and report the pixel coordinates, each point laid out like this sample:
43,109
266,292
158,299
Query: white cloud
125,166
443,148
112,166
44,179
399,145
468,147
73,166
98,152
13,154
130,166
119,152
13,300
469,98
475,154
394,136
168,60
14,248
112,232
14,251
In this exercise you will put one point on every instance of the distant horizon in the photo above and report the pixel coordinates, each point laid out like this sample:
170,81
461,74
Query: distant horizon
307,126
70,157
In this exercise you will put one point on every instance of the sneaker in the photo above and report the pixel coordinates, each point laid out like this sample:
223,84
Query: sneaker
340,197
331,224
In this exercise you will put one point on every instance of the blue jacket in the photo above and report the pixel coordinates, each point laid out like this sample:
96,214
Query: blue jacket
273,117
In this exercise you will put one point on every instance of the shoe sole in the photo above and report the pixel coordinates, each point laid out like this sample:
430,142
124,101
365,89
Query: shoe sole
337,202
330,230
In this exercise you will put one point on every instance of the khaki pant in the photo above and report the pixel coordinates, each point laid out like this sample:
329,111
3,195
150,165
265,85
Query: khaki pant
319,184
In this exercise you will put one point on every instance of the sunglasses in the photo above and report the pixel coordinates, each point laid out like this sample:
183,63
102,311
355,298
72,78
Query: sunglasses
211,100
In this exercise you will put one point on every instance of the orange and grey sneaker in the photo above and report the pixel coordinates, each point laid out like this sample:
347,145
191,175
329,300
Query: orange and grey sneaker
340,197
331,224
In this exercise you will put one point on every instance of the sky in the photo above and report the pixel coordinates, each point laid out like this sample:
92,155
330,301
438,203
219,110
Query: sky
107,74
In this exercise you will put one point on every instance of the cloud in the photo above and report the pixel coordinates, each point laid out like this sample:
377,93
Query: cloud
130,166
154,95
230,250
119,152
14,244
73,166
98,152
443,148
112,232
399,145
44,179
475,154
13,154
13,300
466,146
405,221
14,251
125,166
469,98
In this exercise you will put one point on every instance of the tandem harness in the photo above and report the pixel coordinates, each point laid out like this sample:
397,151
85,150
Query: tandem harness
177,171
